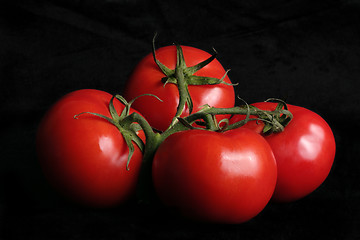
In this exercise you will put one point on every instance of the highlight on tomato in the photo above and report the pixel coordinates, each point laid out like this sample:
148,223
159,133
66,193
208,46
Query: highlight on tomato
222,177
304,151
85,156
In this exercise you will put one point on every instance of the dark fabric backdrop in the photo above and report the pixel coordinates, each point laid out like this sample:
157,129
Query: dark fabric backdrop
305,51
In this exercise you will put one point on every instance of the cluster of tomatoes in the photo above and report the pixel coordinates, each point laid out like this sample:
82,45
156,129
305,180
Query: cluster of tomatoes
183,141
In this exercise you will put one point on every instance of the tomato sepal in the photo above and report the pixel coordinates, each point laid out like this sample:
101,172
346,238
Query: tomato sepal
128,129
183,76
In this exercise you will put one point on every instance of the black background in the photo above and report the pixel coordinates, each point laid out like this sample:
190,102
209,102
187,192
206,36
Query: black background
305,51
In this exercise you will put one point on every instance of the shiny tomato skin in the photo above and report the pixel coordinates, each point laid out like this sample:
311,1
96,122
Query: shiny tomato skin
304,152
215,177
85,158
146,78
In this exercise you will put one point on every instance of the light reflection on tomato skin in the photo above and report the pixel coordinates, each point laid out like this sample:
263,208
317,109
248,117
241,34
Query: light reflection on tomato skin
304,151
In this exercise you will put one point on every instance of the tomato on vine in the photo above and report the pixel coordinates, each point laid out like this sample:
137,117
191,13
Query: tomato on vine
85,156
304,151
223,177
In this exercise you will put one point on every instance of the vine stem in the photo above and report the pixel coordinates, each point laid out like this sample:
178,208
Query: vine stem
184,96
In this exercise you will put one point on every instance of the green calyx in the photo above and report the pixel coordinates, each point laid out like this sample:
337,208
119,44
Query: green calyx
188,72
183,76
127,128
280,118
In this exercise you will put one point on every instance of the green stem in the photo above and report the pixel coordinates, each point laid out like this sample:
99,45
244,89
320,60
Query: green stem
183,92
184,95
211,123
145,190
137,118
267,116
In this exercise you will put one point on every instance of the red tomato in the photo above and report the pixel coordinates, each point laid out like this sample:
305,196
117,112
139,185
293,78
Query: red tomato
147,76
86,158
304,152
218,177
